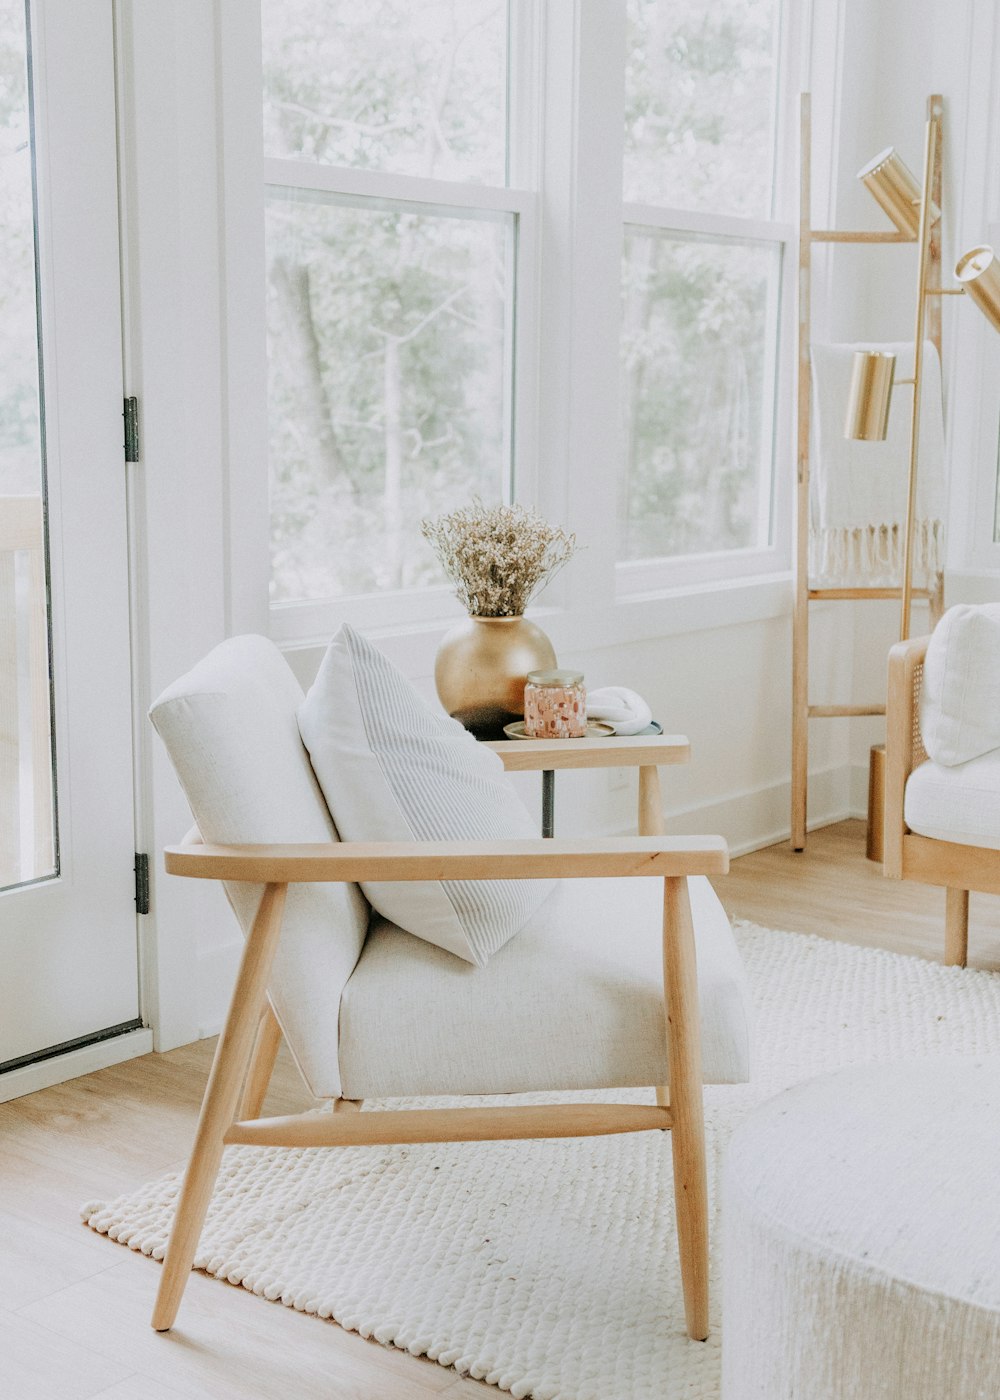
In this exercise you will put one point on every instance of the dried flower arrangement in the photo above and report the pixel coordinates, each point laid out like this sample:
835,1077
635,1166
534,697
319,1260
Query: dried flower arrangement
498,557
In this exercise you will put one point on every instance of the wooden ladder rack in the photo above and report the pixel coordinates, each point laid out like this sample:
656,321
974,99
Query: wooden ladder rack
802,710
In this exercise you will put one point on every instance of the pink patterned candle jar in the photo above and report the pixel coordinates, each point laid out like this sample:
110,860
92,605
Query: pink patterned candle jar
555,705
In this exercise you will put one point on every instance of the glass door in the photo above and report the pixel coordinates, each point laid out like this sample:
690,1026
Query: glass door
67,911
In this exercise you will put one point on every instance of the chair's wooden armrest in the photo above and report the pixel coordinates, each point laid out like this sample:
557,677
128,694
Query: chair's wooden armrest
901,729
453,860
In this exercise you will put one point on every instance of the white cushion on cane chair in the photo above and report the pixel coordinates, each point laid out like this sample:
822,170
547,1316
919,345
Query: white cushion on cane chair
959,803
959,713
575,1001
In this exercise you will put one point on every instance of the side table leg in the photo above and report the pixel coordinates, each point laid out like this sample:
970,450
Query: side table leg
651,822
549,802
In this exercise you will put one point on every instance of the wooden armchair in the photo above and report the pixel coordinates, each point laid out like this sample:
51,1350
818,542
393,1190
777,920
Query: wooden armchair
928,857
600,989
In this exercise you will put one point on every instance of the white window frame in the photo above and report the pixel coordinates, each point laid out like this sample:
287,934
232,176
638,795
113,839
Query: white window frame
566,62
638,578
300,621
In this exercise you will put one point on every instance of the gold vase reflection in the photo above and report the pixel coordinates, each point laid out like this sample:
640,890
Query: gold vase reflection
481,668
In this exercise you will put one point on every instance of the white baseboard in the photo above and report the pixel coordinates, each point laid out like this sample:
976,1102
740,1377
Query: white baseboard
30,1078
759,817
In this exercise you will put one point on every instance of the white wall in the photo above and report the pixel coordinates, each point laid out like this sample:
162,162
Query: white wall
714,663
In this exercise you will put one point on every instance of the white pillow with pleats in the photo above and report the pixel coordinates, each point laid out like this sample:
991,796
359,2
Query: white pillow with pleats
392,768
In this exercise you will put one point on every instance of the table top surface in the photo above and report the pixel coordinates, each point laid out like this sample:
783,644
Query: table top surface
631,751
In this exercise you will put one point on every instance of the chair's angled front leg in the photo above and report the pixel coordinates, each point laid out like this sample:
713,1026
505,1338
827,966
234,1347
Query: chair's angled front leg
680,981
218,1109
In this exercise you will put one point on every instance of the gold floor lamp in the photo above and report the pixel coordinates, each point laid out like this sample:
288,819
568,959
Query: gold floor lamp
915,210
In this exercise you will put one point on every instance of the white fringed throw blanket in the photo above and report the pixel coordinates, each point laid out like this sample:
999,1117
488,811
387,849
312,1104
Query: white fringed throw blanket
858,489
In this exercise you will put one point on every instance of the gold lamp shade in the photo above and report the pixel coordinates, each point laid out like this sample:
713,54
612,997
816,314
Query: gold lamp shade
894,188
871,393
979,275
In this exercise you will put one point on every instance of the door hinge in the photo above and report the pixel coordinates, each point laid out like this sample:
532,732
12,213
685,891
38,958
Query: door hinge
131,430
141,883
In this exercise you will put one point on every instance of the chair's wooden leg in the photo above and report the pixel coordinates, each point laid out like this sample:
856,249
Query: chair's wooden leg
265,1052
680,980
218,1109
663,1095
956,927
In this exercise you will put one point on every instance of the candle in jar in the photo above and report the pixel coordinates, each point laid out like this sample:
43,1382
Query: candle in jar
555,705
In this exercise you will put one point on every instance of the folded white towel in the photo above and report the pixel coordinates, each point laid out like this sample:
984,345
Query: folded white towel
622,708
858,489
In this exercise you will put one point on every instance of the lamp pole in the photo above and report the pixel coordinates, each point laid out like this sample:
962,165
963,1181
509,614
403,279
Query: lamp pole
923,263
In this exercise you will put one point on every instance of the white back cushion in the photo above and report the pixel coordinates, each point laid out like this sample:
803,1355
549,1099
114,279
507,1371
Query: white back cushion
960,699
230,729
394,769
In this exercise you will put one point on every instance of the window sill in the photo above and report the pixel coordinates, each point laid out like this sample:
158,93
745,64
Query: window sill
638,618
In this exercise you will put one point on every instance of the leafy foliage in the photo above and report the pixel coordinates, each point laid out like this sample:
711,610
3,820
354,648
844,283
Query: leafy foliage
388,327
699,95
698,315
19,419
695,362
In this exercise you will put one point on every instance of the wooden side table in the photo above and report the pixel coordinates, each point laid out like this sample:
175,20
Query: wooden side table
647,752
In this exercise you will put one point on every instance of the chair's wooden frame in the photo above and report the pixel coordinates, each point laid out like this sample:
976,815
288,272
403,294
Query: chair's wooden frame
906,855
249,1041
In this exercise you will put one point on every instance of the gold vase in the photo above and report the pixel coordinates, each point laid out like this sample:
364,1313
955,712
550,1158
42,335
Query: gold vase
481,667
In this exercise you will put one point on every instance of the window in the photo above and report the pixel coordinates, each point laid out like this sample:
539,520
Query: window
429,340
701,282
391,240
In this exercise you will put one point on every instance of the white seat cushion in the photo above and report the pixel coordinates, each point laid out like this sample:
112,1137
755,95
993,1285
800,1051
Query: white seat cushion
574,1002
394,768
960,804
959,710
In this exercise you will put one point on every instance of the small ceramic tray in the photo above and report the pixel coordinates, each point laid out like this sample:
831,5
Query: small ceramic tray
596,729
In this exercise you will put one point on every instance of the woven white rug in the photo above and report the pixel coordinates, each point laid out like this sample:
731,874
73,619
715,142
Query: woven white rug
549,1269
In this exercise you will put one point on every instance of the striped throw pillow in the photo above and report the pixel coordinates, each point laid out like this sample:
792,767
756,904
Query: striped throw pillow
393,768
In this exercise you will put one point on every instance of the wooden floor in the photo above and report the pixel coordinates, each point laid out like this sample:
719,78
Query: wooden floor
74,1307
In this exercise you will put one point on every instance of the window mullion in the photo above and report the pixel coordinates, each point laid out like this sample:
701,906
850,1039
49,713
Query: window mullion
580,312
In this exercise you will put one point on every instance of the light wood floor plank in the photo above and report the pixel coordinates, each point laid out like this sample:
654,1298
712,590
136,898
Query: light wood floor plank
37,1364
37,1261
145,1388
831,889
229,1346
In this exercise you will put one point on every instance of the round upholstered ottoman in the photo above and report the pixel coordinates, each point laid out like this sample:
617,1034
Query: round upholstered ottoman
861,1238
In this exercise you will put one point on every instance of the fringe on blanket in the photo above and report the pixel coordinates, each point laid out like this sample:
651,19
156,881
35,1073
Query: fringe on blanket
871,556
